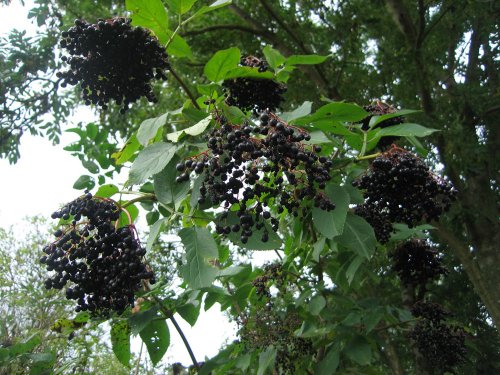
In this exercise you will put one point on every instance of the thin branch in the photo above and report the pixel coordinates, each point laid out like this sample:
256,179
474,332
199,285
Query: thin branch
184,87
436,20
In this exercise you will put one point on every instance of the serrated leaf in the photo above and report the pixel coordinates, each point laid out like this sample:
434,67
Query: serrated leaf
139,321
221,63
156,336
358,236
154,232
335,112
329,364
180,6
106,191
200,248
120,341
196,129
406,130
317,304
215,5
189,312
167,190
331,223
127,151
84,182
353,268
149,128
306,59
150,161
387,116
303,110
273,57
266,360
248,72
359,350
318,248
150,14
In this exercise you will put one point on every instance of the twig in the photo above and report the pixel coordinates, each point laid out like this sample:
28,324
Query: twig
184,87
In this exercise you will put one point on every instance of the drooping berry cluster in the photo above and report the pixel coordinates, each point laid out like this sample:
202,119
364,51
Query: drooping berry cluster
112,61
400,188
441,344
254,93
417,263
104,263
272,273
257,167
268,327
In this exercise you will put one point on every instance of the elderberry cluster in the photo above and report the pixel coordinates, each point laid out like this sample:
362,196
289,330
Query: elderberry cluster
268,327
400,188
272,272
104,263
379,109
254,93
257,167
417,263
112,60
442,345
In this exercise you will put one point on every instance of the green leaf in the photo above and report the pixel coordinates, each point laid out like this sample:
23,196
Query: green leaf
149,128
353,268
120,341
150,14
371,319
200,248
221,63
406,130
189,312
359,350
133,212
303,110
139,321
167,190
248,72
379,119
180,6
127,151
154,232
84,182
331,223
306,59
150,161
156,336
403,232
196,129
358,236
335,112
25,346
329,364
92,130
195,192
318,248
273,57
266,360
317,304
179,47
106,191
215,5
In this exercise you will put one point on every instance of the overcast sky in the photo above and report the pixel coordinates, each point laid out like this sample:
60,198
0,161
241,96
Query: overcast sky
42,180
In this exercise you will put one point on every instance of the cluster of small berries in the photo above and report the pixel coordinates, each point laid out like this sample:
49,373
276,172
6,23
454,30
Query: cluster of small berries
442,345
254,93
380,108
272,272
103,262
273,166
400,188
112,60
268,327
417,263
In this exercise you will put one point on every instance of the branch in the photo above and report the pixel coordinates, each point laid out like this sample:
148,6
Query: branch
402,18
241,28
184,87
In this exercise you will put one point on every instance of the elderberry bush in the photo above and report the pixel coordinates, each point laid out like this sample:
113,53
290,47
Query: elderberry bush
400,188
101,262
254,93
259,167
417,263
441,344
112,60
